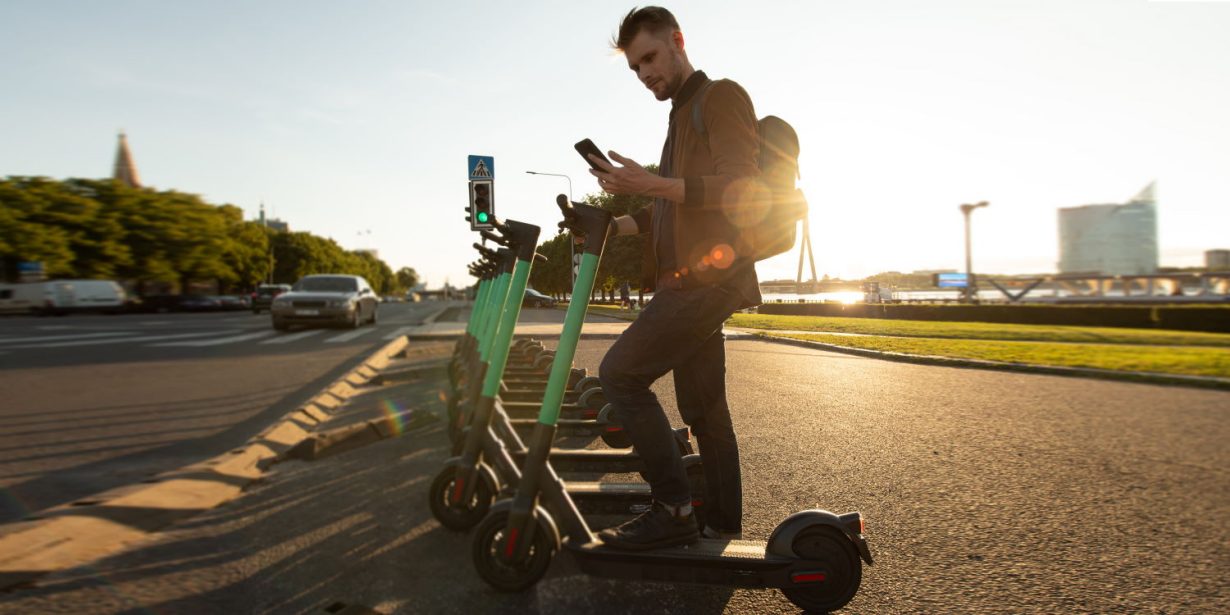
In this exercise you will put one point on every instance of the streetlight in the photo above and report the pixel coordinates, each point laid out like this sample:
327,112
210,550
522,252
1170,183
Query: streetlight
970,283
572,255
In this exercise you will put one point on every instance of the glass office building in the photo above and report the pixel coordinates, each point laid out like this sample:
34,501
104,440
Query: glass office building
1118,239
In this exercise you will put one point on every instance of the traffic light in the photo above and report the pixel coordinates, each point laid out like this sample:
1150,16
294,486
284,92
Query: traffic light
482,204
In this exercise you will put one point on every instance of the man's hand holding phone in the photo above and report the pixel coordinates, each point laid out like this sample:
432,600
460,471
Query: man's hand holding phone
631,178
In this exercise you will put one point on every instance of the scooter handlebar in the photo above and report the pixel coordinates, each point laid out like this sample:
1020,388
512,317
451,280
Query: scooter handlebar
488,235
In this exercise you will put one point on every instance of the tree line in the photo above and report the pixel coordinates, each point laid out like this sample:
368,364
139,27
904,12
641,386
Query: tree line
621,260
104,229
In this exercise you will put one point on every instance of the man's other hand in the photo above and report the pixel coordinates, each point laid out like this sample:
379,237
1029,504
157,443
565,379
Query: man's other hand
631,178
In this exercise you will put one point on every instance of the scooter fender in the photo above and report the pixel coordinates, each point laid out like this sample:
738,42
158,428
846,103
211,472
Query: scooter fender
592,398
783,535
585,383
484,473
546,523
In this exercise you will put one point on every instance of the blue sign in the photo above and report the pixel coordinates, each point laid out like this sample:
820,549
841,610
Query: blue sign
951,280
29,267
481,167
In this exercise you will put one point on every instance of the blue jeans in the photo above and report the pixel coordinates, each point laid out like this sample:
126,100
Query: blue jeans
680,331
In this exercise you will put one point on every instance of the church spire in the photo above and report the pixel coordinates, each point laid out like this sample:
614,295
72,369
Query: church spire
125,169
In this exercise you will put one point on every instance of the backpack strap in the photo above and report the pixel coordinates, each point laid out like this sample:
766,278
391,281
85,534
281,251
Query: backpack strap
698,122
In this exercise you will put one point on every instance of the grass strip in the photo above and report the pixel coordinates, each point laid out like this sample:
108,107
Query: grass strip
1194,361
980,330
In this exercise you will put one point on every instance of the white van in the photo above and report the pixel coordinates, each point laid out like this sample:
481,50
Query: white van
62,296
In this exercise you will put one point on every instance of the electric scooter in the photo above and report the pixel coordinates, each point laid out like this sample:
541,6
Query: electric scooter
463,490
814,556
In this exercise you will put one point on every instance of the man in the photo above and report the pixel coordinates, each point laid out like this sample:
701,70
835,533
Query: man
699,279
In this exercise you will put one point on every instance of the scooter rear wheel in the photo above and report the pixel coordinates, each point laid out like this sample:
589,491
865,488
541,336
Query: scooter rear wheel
843,570
488,548
463,516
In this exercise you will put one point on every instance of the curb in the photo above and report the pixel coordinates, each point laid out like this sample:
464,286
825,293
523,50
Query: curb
343,439
1204,382
78,533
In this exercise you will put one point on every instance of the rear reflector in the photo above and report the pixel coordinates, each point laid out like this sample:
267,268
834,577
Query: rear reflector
511,546
807,577
613,428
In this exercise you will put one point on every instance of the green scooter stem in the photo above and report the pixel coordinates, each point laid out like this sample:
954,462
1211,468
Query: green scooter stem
536,471
525,238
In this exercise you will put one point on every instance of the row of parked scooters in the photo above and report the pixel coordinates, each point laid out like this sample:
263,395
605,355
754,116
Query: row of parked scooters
510,402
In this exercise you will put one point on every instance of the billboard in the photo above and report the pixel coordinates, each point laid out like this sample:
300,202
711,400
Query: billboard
950,280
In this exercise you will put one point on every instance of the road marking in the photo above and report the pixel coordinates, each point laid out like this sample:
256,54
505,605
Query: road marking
346,337
286,339
49,338
122,340
400,331
221,340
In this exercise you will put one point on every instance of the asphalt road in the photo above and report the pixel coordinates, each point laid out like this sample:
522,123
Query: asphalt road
984,492
94,402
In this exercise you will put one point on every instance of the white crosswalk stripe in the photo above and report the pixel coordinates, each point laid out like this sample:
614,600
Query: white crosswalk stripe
220,341
198,339
122,340
400,331
294,337
51,338
346,337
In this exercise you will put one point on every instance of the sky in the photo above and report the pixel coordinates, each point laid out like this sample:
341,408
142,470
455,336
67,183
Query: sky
354,120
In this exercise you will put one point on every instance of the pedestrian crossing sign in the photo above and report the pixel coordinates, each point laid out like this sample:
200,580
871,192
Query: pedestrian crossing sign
481,167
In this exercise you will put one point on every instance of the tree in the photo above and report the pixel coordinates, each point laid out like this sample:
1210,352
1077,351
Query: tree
407,279
89,228
621,260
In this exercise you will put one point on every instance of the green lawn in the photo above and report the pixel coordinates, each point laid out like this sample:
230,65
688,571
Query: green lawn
980,330
1146,350
1191,361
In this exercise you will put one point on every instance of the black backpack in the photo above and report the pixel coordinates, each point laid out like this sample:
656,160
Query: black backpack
767,227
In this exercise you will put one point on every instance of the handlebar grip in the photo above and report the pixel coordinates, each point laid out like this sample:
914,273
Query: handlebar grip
488,235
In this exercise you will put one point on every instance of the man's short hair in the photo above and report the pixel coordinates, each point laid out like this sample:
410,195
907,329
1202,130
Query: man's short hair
652,19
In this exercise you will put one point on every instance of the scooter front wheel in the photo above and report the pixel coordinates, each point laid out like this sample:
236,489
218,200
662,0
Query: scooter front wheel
464,515
842,574
487,551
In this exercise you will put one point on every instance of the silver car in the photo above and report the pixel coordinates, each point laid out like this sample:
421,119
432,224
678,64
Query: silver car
326,299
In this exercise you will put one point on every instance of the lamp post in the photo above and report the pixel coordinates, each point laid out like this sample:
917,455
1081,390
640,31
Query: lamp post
572,255
970,283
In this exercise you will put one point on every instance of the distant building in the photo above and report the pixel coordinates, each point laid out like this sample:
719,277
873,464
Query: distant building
375,254
125,170
1217,260
273,223
1110,239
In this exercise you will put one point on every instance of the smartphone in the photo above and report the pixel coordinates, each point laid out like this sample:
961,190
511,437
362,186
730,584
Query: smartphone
587,147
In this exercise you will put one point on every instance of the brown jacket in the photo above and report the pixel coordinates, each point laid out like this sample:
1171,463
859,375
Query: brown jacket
720,174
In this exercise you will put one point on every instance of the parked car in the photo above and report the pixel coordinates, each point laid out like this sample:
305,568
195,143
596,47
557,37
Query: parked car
264,295
63,297
326,299
534,298
232,302
178,303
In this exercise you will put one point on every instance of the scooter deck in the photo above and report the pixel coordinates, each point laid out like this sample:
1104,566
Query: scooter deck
533,395
590,460
523,411
565,427
740,563
593,498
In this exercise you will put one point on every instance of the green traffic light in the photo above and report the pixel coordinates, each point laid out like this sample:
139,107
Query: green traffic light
482,217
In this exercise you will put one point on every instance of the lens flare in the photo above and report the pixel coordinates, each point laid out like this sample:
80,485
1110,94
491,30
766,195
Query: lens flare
395,416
